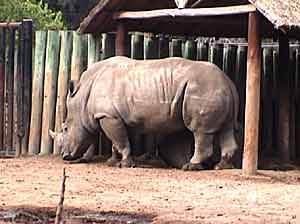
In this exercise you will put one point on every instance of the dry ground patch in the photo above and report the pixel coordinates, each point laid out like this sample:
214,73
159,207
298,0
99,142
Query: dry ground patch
95,193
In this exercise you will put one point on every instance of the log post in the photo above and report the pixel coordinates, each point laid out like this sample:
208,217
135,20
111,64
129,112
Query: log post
284,98
252,96
122,40
27,29
37,94
2,81
50,91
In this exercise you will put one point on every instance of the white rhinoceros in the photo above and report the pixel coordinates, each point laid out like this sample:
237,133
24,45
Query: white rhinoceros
121,95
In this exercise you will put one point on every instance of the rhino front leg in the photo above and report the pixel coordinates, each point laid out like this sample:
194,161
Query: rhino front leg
203,150
116,131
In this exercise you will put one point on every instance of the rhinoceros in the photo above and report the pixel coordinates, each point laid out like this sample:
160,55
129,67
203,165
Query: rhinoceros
161,96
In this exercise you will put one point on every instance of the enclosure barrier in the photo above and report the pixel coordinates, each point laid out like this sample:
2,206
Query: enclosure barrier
15,86
64,55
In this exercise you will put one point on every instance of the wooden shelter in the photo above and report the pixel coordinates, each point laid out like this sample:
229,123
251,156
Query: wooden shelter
253,19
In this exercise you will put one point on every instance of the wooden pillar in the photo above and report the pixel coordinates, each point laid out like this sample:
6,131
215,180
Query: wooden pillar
284,98
122,40
2,84
252,96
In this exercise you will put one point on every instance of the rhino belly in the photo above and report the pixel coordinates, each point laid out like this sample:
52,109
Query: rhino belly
155,118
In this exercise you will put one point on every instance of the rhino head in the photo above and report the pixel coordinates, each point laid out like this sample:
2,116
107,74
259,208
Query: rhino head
74,139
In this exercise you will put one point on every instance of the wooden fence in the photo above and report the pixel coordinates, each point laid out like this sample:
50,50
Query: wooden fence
64,55
15,86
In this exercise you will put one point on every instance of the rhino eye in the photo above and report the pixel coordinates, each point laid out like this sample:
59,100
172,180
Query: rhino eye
65,128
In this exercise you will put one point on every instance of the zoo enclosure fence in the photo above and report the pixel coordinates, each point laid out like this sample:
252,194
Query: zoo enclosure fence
63,55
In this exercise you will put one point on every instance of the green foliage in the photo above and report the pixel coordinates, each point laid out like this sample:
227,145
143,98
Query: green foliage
43,17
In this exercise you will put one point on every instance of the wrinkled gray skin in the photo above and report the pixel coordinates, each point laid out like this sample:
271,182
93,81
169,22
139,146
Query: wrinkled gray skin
162,96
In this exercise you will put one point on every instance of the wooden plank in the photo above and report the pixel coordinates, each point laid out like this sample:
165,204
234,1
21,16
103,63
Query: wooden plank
297,99
163,47
27,29
50,90
241,74
63,80
215,54
267,114
190,50
275,97
79,55
229,60
150,52
176,48
18,99
202,50
185,13
37,94
108,45
293,105
250,156
284,100
137,46
11,25
9,86
93,49
2,81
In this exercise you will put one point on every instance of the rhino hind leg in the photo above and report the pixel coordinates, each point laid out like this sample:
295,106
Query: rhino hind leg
228,146
113,160
203,151
116,131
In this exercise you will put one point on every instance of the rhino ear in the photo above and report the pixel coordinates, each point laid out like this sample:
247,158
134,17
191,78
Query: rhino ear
73,87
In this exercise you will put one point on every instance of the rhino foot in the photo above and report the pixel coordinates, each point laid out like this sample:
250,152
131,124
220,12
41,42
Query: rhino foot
126,163
224,165
192,166
112,161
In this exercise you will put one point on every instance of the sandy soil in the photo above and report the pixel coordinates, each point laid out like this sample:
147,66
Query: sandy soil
95,193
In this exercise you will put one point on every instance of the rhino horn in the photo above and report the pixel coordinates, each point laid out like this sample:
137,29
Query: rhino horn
53,134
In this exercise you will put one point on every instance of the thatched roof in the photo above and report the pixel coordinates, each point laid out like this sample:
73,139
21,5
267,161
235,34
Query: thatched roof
281,14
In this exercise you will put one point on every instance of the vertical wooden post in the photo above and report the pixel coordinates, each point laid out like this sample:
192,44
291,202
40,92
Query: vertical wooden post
27,27
137,46
37,94
163,47
267,114
2,81
176,48
150,52
202,50
93,49
9,86
229,59
252,96
18,99
79,56
216,54
50,88
190,50
108,45
283,135
122,41
297,99
63,80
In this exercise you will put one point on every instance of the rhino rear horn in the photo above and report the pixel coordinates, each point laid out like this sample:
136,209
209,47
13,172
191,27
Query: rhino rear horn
52,134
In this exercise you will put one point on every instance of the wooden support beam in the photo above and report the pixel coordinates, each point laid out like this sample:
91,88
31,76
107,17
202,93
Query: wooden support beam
252,96
192,13
122,40
284,98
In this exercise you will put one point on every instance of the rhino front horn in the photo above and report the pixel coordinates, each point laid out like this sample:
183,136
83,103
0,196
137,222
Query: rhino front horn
52,134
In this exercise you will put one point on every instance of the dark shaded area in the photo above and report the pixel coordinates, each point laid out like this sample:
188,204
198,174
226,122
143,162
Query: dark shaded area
36,215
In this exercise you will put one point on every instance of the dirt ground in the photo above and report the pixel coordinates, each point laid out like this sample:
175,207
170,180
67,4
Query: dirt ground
95,193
